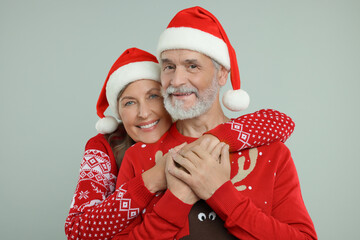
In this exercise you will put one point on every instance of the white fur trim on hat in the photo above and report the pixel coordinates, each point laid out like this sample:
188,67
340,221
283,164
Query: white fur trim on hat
126,74
236,100
196,40
106,125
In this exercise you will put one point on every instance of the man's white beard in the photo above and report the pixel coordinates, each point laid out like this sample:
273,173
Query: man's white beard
201,106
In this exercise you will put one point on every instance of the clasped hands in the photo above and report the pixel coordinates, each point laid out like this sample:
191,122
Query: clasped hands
198,169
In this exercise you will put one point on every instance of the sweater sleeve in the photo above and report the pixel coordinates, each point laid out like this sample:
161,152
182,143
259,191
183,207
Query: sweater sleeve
168,217
254,129
289,218
98,211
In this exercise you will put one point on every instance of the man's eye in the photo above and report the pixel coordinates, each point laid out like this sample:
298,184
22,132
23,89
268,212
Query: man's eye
193,66
168,67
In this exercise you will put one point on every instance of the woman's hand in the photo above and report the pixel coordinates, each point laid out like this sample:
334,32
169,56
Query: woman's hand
154,178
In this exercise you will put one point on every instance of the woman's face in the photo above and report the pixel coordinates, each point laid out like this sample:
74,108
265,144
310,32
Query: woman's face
142,111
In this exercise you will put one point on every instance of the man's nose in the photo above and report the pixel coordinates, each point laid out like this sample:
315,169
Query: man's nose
179,78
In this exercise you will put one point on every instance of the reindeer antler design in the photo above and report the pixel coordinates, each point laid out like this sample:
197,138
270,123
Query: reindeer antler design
159,154
242,174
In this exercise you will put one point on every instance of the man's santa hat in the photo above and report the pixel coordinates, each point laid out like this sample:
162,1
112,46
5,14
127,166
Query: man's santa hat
134,64
198,30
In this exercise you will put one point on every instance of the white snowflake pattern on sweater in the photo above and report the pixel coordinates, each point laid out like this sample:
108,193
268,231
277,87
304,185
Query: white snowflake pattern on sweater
94,169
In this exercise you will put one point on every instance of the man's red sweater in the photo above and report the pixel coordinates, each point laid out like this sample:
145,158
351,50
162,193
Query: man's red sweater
262,201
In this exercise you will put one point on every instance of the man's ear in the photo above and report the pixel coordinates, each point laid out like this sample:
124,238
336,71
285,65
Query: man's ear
222,76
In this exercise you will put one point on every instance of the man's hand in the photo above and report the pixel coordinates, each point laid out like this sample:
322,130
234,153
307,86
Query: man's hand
175,185
205,171
207,141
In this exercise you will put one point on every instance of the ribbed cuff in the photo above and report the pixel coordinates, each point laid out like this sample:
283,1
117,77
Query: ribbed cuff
224,133
225,200
173,209
140,194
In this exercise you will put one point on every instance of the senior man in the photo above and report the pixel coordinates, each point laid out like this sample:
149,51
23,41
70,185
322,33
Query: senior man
211,194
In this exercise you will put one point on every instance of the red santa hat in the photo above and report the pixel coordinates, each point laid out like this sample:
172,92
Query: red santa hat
198,30
134,64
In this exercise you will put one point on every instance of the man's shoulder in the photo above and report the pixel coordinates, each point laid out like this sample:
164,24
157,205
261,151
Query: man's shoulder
277,145
274,149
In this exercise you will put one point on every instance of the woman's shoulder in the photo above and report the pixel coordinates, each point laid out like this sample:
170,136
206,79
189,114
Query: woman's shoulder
98,141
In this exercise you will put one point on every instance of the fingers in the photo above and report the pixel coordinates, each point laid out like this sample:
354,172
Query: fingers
192,155
204,142
225,156
202,154
216,151
187,147
184,163
208,141
205,155
198,155
177,148
225,160
176,171
167,156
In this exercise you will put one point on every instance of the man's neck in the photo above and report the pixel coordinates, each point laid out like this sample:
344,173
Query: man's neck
196,127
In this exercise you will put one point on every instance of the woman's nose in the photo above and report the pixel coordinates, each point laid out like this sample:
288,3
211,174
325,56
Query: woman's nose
144,110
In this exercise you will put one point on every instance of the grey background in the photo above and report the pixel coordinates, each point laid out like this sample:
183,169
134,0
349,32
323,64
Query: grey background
300,57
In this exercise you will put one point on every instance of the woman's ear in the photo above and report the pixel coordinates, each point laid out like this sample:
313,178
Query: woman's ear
222,75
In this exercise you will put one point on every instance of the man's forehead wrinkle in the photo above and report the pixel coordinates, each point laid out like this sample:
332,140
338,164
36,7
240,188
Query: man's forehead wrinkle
190,60
165,60
179,53
186,61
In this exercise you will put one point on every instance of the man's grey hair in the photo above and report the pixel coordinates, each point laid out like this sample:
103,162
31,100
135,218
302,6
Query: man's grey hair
216,64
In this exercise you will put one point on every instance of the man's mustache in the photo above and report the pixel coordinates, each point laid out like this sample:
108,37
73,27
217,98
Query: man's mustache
181,90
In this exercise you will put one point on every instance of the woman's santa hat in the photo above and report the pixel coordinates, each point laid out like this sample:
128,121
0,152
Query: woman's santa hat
198,30
134,64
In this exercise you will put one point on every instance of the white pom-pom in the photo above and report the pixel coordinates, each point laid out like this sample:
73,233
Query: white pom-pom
106,125
236,100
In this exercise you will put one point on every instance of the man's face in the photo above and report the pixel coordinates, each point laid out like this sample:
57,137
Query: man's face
189,83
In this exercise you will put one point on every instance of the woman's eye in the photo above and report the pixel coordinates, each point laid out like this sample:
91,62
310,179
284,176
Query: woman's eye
129,103
154,96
